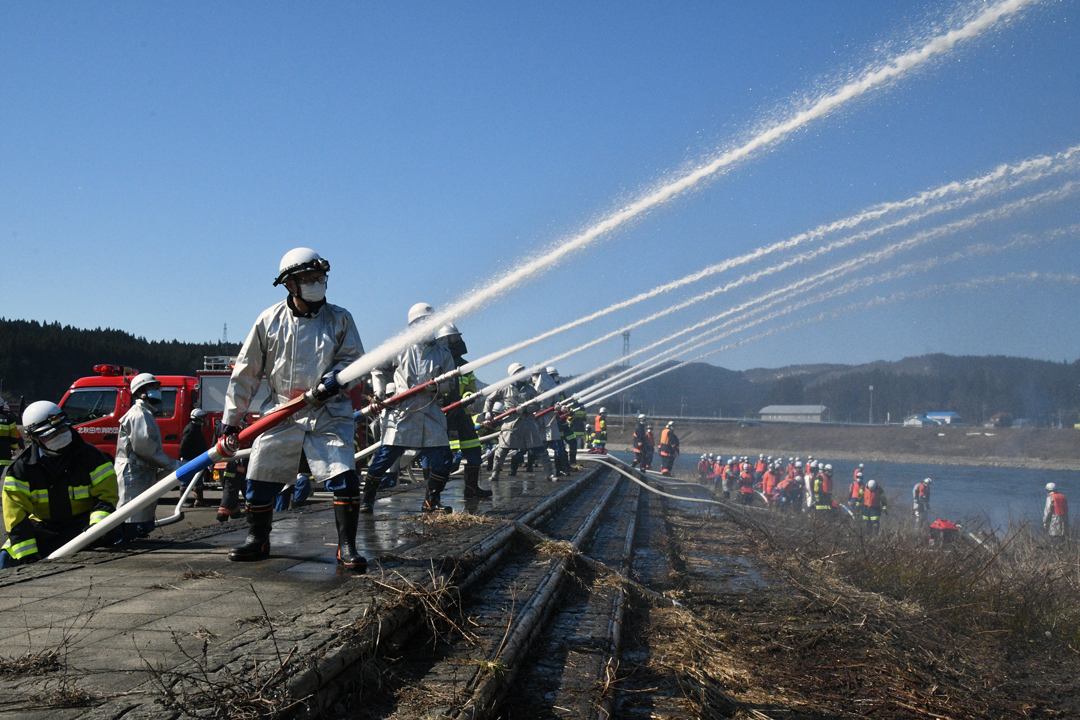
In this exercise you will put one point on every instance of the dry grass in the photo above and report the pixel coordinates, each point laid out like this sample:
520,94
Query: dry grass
203,687
192,574
556,548
30,664
1018,590
453,521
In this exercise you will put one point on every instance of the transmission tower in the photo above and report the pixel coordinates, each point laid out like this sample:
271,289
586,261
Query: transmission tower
225,333
626,348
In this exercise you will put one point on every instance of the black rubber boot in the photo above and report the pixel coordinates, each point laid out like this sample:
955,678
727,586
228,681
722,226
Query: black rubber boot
371,486
472,483
346,515
257,546
515,460
433,499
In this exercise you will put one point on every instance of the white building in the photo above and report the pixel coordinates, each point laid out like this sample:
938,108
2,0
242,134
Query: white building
794,413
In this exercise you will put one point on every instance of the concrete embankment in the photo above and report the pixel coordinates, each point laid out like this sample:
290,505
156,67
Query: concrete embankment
1036,448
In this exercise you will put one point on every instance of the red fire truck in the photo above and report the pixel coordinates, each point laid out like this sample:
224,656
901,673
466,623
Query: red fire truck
95,405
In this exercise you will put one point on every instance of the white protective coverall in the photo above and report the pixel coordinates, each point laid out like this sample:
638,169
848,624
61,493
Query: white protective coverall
139,457
518,432
292,353
549,424
417,421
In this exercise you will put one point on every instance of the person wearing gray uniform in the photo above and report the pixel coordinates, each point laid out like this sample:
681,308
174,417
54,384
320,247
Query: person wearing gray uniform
297,347
417,421
543,382
519,431
140,457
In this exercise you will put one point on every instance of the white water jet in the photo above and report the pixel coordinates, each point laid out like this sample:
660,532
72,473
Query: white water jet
974,284
801,286
1001,179
935,46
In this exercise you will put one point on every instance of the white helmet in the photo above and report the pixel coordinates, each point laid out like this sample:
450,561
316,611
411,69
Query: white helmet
199,414
603,411
641,418
447,330
142,380
299,260
514,369
927,481
419,311
828,467
872,484
550,370
670,423
43,418
1050,487
497,407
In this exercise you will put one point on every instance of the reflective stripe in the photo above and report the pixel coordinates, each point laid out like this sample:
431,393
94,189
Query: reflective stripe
80,492
97,516
101,473
39,496
16,485
21,550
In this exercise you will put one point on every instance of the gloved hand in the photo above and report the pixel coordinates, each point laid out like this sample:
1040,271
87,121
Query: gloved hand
31,558
230,430
520,410
488,417
327,388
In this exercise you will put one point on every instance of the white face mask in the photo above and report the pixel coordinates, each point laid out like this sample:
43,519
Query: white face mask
57,442
313,293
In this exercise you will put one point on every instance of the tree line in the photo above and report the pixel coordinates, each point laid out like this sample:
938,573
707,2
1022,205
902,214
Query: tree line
977,387
39,361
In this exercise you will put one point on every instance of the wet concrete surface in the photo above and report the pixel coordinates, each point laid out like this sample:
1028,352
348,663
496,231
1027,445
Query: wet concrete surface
113,615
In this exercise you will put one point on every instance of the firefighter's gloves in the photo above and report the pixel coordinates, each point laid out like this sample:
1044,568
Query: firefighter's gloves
520,410
230,430
31,558
327,388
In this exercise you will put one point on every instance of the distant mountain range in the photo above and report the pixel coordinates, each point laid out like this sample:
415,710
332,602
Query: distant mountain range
41,360
978,388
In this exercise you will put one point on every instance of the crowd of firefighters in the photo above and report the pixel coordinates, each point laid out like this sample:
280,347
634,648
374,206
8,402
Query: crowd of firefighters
794,484
57,485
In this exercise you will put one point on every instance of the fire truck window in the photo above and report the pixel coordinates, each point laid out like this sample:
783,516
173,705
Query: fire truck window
85,405
168,403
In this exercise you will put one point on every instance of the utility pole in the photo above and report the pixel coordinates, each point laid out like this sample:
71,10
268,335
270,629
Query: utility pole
871,406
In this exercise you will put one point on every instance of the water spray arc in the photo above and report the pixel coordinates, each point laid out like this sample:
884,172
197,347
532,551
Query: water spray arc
870,79
865,305
785,294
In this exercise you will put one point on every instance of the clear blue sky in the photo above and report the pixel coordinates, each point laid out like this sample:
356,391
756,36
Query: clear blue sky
157,159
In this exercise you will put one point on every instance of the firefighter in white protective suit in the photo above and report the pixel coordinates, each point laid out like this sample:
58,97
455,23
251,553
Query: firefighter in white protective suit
140,457
297,347
519,431
543,382
417,422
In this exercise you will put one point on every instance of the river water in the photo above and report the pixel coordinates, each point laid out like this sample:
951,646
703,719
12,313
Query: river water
993,497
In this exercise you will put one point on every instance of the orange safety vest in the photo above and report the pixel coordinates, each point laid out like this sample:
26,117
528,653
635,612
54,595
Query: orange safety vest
1061,505
667,447
922,490
826,483
856,490
871,498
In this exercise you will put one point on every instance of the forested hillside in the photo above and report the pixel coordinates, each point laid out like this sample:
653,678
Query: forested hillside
39,361
978,388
